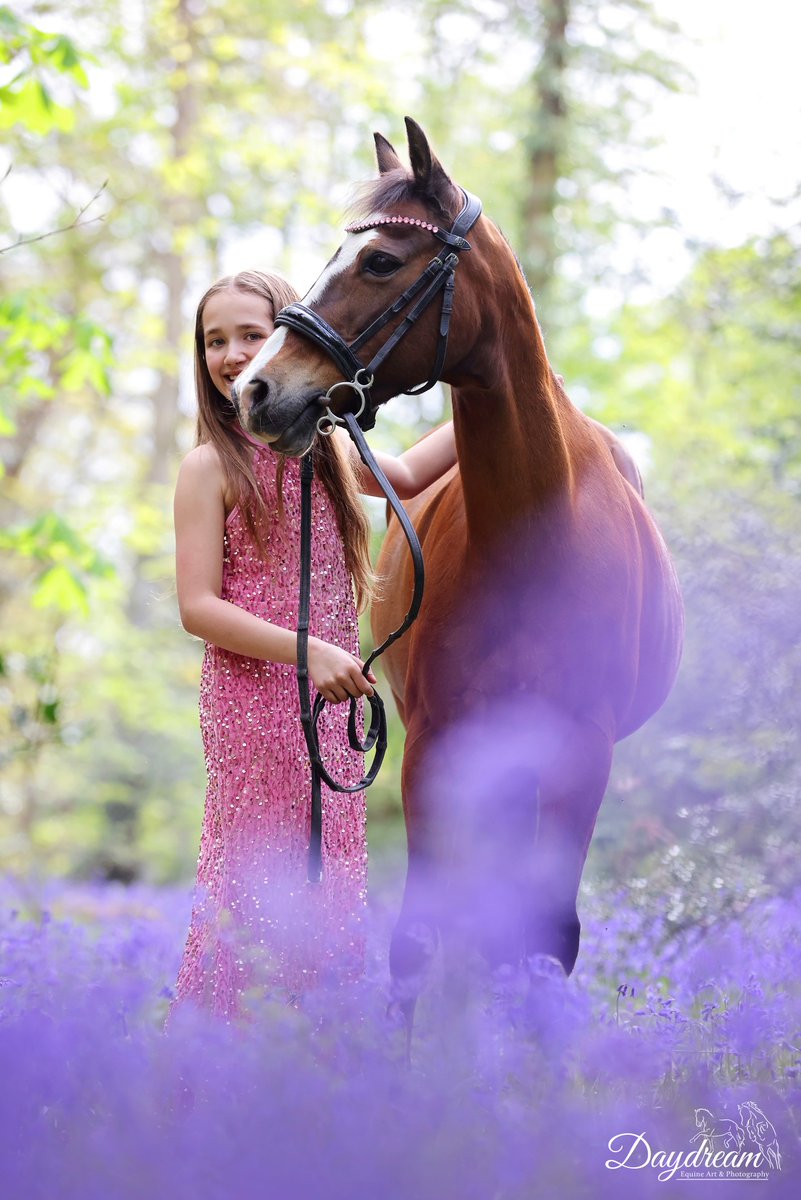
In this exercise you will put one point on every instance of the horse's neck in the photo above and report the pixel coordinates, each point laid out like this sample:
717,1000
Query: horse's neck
510,438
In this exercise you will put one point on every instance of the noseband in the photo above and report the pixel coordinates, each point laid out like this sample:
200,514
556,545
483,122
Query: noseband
437,277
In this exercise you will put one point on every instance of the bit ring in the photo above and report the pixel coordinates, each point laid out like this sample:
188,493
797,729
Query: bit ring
328,422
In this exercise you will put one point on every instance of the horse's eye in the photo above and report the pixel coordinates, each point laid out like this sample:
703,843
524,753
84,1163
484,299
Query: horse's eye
381,264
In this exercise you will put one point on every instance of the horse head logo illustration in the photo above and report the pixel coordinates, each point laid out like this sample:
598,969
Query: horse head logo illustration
761,1132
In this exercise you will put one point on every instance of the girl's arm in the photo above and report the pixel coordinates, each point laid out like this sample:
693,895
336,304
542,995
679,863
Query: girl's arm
414,470
199,530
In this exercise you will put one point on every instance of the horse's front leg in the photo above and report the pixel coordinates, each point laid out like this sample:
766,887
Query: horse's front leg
471,830
417,929
572,786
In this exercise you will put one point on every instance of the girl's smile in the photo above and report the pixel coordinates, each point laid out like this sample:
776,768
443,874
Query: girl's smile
235,324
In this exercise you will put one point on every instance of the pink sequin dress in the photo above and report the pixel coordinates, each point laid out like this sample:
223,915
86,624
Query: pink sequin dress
258,926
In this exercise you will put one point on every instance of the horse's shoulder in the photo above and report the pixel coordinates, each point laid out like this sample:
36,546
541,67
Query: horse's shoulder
606,441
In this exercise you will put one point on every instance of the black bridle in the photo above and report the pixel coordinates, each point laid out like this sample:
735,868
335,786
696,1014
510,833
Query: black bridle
437,277
359,377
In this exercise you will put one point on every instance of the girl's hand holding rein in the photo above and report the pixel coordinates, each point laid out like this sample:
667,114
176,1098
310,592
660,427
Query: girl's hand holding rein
336,674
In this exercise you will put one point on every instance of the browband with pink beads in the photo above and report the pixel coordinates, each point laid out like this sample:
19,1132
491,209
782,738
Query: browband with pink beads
450,239
372,224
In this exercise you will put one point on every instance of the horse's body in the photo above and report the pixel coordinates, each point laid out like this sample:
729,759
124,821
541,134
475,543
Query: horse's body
547,582
561,599
556,590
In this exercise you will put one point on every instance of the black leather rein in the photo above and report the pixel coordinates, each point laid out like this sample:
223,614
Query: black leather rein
438,276
376,735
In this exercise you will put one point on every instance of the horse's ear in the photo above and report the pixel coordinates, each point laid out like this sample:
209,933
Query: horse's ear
429,175
386,154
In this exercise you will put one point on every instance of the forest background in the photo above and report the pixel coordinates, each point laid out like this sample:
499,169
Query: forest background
150,147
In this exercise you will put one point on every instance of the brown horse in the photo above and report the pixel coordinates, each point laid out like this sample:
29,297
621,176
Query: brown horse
548,584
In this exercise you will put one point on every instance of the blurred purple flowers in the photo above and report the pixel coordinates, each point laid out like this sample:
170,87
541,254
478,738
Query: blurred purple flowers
511,1095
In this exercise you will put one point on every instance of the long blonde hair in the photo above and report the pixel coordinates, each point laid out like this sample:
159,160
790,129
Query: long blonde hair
217,423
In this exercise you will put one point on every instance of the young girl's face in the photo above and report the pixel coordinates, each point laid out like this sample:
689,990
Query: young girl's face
234,326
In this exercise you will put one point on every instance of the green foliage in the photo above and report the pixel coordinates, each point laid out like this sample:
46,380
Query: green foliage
46,352
37,62
710,786
65,561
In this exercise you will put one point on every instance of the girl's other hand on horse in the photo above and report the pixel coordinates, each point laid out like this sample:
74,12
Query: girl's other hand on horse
336,674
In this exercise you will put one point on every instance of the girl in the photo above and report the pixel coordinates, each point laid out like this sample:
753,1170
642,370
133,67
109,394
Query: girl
256,922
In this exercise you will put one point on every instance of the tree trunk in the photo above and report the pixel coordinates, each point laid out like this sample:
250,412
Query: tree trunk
180,212
545,153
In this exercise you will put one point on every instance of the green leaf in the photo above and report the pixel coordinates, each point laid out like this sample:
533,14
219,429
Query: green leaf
32,106
60,588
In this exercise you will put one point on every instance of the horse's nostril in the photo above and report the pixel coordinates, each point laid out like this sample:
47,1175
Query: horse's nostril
259,392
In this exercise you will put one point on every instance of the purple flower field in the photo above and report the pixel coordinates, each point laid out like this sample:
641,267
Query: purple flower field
536,1090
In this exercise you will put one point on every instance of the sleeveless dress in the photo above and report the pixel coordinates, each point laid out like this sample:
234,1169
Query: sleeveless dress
258,926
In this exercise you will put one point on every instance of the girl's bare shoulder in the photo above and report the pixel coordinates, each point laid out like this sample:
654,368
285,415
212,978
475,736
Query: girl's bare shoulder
202,474
201,469
205,457
202,465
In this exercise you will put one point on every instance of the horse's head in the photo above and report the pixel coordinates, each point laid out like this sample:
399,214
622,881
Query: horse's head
280,395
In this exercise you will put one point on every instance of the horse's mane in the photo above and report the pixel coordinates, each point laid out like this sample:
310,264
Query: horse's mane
389,191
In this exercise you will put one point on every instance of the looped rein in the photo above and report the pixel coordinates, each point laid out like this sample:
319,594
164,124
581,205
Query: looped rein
437,277
376,736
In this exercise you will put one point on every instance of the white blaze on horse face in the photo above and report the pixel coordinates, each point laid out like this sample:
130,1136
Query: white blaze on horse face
268,350
345,258
272,347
